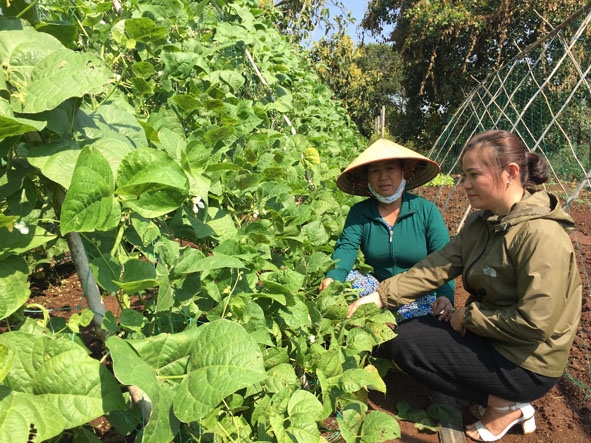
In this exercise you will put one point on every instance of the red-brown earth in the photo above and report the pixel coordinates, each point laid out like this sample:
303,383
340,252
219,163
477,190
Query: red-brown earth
562,416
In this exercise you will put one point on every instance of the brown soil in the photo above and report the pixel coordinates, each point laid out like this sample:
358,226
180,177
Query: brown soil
562,416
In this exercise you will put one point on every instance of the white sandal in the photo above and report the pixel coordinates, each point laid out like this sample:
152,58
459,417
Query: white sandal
527,421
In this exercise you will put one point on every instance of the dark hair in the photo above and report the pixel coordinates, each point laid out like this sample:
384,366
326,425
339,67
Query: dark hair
504,148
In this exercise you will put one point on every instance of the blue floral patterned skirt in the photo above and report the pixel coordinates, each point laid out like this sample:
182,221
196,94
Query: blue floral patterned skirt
366,284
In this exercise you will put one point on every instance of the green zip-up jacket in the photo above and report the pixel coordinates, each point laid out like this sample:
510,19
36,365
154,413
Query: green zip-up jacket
521,272
418,231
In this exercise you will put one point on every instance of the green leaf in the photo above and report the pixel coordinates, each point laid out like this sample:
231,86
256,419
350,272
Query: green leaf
183,64
333,307
113,121
131,369
304,411
14,285
137,276
106,269
19,411
359,340
60,374
90,204
132,319
6,358
218,133
216,261
56,161
77,320
151,183
234,79
445,413
350,421
379,427
353,380
295,314
22,47
280,377
224,359
81,71
406,413
221,222
146,229
143,29
65,32
18,242
11,126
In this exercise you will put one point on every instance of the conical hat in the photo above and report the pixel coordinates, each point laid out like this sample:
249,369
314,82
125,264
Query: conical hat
417,168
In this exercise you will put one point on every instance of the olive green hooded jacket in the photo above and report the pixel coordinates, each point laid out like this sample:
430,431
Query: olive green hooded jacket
521,272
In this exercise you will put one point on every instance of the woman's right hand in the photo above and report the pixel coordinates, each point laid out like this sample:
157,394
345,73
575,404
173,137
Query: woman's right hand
327,281
374,297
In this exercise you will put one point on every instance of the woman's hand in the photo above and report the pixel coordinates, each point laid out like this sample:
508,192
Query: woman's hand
374,297
324,283
442,308
457,321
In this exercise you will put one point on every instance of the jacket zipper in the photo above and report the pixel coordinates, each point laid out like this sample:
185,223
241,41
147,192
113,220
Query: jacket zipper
388,227
466,284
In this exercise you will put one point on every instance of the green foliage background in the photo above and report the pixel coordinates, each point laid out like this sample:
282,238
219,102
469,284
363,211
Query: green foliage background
195,152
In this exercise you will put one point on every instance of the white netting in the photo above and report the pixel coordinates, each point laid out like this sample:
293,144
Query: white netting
544,96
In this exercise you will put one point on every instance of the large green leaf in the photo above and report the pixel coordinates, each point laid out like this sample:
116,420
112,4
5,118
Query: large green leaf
224,359
316,233
59,374
183,64
21,413
113,120
151,183
83,73
20,241
22,47
304,410
221,222
90,204
14,287
220,358
11,125
56,161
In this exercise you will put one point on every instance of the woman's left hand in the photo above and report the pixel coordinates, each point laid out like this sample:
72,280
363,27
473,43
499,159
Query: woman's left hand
374,297
442,308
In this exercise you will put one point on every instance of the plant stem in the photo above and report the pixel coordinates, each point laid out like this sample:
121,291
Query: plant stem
89,287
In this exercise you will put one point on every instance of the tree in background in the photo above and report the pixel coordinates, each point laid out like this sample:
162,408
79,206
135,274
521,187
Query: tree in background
363,78
301,19
448,47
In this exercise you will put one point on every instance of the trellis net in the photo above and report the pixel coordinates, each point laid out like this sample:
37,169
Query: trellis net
544,96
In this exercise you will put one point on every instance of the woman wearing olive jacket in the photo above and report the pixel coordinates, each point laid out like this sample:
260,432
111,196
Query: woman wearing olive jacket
510,343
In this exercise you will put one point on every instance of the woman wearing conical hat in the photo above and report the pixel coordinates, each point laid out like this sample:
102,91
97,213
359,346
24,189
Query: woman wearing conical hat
393,228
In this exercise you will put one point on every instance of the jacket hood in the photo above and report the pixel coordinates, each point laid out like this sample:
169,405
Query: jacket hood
533,205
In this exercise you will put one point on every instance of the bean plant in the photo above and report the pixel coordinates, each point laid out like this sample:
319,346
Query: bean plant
182,153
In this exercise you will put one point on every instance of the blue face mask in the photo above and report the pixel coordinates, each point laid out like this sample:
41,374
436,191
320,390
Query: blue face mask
392,198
